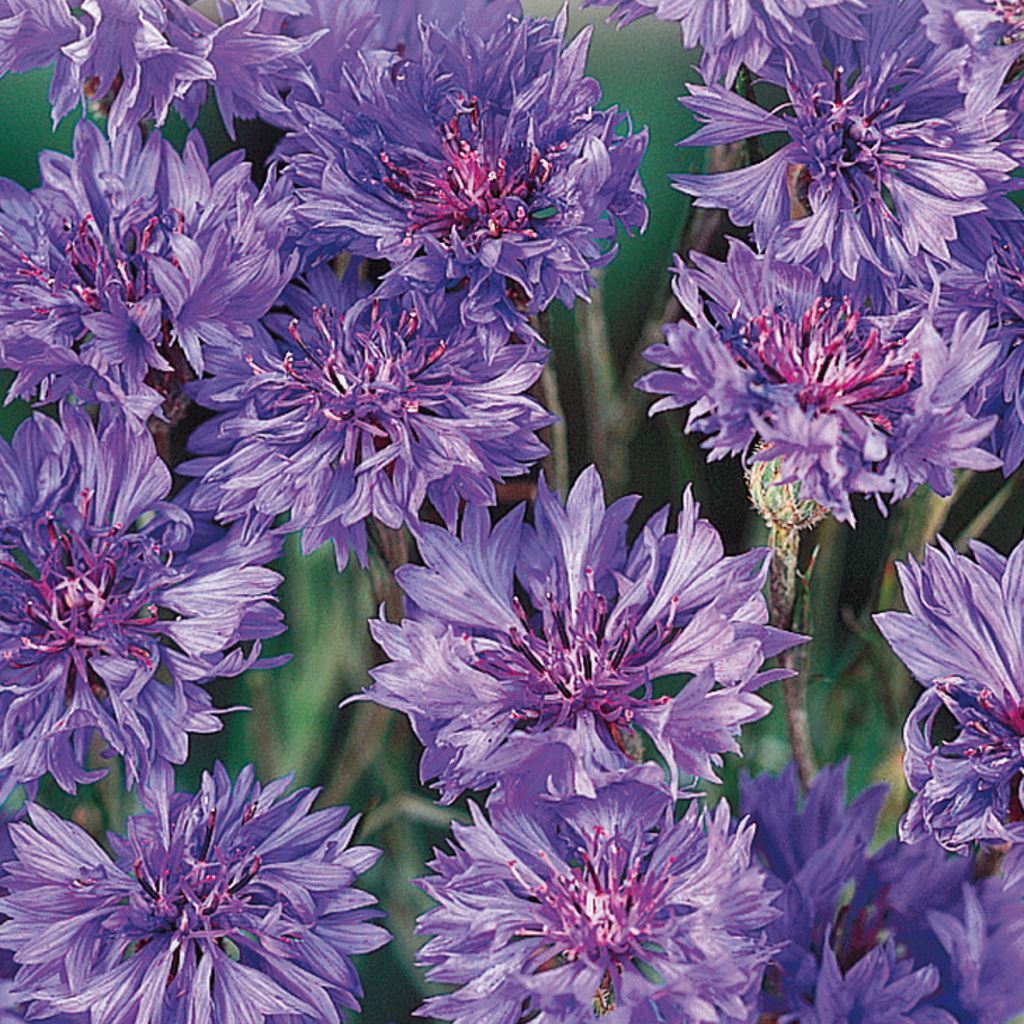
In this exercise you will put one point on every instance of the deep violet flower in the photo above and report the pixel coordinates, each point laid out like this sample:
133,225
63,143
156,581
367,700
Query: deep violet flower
483,167
881,162
735,33
605,908
128,262
849,404
962,637
539,649
114,611
235,904
358,408
904,935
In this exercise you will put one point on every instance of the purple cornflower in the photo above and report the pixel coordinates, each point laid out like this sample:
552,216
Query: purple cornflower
232,905
605,908
991,282
881,162
963,639
735,33
128,263
138,58
989,35
849,404
357,408
111,614
538,649
900,936
482,167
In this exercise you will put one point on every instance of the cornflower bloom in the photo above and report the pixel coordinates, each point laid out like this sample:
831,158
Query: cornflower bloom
482,167
881,161
739,33
904,935
990,36
962,637
538,650
129,263
363,407
115,607
235,904
597,909
138,58
848,403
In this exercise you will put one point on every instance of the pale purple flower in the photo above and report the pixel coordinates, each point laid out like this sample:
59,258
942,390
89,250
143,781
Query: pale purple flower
483,167
356,407
236,904
128,263
537,649
849,403
115,608
962,637
737,33
605,909
880,161
989,38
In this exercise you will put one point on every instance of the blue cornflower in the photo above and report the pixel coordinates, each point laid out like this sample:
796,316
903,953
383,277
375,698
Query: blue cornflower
235,904
848,402
482,167
138,58
903,935
351,408
115,608
736,33
128,263
880,164
538,650
962,637
603,908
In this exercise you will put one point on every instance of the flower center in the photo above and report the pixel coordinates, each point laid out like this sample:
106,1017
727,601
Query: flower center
471,190
566,661
839,139
829,362
198,891
607,909
91,590
1012,13
363,377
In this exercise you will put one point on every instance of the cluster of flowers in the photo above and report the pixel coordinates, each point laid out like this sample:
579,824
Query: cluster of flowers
354,342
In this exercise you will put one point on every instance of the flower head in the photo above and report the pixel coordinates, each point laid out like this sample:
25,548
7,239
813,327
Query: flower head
881,162
353,408
482,167
129,263
538,650
113,611
900,936
233,904
848,403
963,639
732,35
605,908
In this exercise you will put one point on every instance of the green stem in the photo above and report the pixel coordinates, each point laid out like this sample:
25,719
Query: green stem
782,591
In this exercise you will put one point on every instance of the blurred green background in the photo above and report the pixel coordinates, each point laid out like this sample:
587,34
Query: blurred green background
365,756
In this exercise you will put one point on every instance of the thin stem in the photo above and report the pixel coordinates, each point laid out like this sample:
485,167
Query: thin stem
782,591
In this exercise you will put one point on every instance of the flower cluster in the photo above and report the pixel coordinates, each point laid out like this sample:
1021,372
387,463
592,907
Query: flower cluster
900,935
